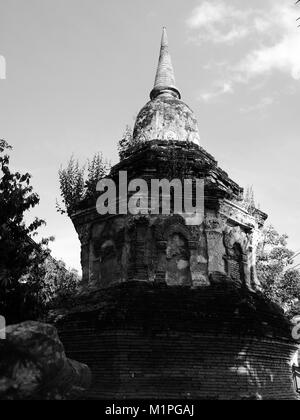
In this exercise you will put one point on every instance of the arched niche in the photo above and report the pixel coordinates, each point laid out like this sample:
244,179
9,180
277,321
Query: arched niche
143,249
178,271
235,265
106,250
237,257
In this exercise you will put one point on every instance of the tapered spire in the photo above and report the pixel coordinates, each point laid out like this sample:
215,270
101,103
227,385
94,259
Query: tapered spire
165,78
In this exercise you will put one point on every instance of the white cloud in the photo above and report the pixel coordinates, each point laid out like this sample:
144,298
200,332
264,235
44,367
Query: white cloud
260,106
218,22
268,35
283,54
261,24
212,12
221,88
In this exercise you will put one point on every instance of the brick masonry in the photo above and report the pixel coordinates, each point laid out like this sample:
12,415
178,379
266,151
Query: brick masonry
170,308
142,341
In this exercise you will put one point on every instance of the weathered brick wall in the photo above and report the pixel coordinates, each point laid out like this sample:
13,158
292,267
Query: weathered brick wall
133,364
144,341
161,247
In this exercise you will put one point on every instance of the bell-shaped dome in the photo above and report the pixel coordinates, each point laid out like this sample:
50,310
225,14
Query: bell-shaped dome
166,117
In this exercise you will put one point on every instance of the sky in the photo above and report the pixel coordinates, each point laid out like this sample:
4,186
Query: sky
78,71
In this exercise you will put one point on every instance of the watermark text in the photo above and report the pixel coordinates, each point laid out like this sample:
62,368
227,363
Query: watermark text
2,328
157,197
2,67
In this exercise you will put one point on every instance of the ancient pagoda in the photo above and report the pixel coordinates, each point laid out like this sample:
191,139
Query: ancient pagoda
169,308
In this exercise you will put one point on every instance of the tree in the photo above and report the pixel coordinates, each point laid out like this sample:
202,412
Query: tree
126,142
249,200
71,180
97,168
78,183
280,280
18,252
56,283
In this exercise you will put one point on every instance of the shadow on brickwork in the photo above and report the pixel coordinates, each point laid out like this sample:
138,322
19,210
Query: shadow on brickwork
153,341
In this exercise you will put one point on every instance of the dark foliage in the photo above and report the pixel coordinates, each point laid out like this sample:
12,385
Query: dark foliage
18,252
78,183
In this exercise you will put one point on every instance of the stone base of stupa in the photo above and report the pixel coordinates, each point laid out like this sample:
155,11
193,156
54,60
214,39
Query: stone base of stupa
158,342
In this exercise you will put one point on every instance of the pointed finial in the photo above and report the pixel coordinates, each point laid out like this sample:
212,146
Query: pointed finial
165,78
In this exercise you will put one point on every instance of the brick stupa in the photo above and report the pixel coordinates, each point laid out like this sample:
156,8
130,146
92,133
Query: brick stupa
169,309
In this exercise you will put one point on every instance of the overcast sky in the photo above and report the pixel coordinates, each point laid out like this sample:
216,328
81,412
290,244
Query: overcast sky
78,71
